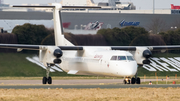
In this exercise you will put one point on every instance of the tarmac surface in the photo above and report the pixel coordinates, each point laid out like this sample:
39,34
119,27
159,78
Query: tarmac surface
113,86
76,84
62,82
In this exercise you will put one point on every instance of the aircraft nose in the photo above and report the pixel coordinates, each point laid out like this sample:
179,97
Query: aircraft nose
130,69
131,72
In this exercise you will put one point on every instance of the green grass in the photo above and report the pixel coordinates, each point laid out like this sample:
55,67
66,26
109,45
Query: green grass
142,71
16,64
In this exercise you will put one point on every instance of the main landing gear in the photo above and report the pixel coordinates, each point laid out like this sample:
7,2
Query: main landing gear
132,81
47,79
135,80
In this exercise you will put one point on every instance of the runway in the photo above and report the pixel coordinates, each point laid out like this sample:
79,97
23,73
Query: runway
62,82
83,86
75,84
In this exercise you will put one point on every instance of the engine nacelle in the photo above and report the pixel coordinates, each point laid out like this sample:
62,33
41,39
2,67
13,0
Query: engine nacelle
57,53
142,55
146,61
51,55
147,53
57,61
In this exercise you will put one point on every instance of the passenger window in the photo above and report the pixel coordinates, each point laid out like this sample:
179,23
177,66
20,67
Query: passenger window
121,58
130,58
114,58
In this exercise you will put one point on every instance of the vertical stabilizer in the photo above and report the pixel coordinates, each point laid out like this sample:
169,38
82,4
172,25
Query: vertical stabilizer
90,3
58,28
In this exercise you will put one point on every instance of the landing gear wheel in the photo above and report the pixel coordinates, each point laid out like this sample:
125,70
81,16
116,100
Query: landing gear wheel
138,81
133,80
44,81
124,82
49,80
129,82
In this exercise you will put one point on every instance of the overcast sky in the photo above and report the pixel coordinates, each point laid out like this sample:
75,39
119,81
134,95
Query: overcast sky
140,4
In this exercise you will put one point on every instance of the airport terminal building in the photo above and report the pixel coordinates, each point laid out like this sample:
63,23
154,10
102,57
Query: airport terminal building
89,21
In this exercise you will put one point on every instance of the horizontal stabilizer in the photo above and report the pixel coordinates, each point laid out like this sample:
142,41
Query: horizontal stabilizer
72,72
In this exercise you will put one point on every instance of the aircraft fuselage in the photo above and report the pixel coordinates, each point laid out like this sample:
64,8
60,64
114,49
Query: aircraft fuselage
99,63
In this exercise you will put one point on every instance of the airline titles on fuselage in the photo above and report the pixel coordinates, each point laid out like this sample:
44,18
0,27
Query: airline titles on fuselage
98,56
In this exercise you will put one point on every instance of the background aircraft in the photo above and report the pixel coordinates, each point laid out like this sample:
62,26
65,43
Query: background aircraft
174,7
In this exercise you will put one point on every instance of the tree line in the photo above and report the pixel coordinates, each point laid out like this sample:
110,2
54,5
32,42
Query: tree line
128,36
8,38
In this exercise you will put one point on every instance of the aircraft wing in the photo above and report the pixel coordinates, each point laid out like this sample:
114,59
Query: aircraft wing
152,48
129,48
38,47
16,46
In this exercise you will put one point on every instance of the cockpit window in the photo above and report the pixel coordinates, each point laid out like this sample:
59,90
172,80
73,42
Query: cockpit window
114,58
130,58
121,57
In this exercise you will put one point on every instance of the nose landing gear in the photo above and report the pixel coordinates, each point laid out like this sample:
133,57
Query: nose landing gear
132,81
127,81
47,79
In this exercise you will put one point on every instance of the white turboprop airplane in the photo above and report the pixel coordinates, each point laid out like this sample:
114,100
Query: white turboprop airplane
89,60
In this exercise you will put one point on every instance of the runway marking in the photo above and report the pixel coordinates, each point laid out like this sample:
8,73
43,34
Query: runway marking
163,64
